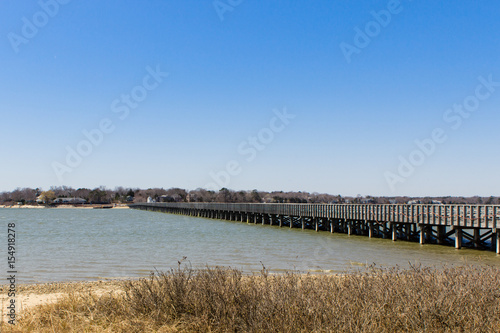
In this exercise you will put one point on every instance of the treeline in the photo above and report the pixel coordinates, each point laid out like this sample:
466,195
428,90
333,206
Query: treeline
102,195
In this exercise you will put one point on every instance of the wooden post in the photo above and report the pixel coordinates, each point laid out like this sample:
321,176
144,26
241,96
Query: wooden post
476,237
497,236
291,221
316,223
280,220
331,226
422,233
370,229
302,220
349,228
394,232
440,234
458,238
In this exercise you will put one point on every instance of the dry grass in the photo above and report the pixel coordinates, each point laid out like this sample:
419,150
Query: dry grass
464,299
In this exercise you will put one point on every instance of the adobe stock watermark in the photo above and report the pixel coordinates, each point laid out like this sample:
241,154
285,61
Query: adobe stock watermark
223,6
121,107
250,148
363,37
454,118
30,28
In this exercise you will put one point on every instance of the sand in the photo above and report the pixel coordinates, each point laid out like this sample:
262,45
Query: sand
21,206
28,296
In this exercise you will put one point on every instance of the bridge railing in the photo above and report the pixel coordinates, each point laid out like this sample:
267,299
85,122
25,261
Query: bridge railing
472,216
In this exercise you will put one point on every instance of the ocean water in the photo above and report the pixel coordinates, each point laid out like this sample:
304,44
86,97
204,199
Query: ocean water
89,244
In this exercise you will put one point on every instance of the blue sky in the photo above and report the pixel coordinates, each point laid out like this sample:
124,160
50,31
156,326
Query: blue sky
232,66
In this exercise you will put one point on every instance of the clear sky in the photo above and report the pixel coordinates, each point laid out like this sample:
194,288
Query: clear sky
325,96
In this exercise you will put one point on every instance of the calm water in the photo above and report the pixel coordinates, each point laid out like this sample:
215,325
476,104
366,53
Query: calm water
73,244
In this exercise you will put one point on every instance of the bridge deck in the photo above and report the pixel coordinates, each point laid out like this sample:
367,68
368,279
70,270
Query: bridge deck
439,220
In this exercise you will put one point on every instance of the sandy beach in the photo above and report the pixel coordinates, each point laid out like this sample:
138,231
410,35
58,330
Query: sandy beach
28,296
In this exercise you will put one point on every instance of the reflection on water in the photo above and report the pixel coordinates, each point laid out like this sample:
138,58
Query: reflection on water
73,244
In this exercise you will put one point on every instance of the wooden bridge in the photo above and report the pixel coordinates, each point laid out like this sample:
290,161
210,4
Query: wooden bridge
476,226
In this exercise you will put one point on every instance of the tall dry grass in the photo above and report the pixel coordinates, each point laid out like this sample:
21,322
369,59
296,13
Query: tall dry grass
462,299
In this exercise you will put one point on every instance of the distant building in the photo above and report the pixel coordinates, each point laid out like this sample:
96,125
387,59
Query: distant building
69,201
414,202
151,200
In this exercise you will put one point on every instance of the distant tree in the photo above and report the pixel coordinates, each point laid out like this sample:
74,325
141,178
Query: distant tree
202,195
47,196
179,194
82,193
62,191
98,195
255,197
224,195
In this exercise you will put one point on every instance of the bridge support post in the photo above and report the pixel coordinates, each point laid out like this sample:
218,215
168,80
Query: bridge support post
497,236
280,220
394,231
291,221
458,239
331,226
477,237
422,234
349,228
303,222
440,234
370,229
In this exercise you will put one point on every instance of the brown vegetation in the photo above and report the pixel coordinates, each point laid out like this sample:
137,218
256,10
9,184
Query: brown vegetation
462,299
